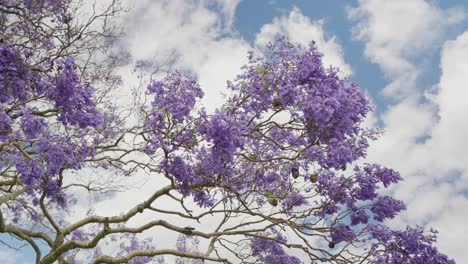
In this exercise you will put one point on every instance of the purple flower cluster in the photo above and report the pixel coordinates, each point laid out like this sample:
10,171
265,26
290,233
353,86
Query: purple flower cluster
170,124
39,6
32,101
226,135
412,245
370,176
386,207
293,80
48,157
20,82
5,125
176,94
342,232
349,192
188,244
294,199
131,243
17,81
74,99
270,251
186,176
359,216
32,126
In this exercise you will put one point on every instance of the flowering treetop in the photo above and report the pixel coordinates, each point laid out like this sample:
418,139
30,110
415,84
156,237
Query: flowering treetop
279,165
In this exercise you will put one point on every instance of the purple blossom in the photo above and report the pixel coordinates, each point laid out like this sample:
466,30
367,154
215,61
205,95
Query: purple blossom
188,244
369,176
78,235
132,243
186,176
293,200
225,133
32,126
5,125
73,99
333,187
14,75
270,251
385,175
39,6
411,245
342,232
30,171
176,94
386,207
170,125
367,187
359,216
180,170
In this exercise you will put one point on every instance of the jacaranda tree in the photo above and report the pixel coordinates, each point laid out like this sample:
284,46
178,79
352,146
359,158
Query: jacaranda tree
278,168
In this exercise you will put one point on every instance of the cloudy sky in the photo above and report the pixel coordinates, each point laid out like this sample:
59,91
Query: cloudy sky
410,56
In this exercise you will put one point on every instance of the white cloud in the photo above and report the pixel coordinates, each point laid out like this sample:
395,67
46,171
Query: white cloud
425,137
194,35
395,32
299,28
450,134
228,7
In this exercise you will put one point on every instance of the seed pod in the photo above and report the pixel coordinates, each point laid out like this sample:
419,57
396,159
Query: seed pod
273,202
295,172
276,103
331,244
313,178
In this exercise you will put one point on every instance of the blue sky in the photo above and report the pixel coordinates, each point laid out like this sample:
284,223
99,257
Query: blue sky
248,21
410,56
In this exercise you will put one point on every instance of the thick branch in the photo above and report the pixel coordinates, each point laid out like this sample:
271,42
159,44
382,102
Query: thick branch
148,253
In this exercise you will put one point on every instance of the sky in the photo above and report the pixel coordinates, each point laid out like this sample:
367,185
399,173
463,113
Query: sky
410,56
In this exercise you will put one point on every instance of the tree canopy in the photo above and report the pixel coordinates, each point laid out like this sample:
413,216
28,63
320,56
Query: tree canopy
279,169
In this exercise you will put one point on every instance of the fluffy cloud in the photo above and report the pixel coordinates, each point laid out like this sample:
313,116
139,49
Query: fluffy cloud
396,32
451,96
228,8
424,131
190,35
299,28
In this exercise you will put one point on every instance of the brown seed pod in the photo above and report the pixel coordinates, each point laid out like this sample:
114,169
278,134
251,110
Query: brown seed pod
276,103
295,172
313,178
273,202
